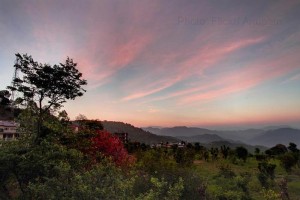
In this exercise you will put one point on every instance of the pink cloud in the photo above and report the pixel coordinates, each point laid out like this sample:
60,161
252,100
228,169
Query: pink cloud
246,78
146,92
208,56
125,53
211,54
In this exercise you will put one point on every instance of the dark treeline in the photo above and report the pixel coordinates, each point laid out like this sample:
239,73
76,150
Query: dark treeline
55,158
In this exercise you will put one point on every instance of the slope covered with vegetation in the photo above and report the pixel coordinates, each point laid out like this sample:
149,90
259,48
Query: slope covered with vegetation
53,160
136,134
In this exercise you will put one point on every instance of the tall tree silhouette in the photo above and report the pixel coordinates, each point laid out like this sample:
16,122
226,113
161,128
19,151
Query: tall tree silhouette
45,85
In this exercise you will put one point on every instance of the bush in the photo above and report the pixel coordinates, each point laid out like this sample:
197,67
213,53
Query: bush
241,153
266,174
287,161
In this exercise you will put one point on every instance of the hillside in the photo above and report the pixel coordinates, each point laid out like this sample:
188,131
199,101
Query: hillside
266,136
205,138
238,135
233,145
179,131
277,136
241,135
136,134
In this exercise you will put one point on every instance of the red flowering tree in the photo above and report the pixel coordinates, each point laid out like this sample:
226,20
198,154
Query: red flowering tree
109,146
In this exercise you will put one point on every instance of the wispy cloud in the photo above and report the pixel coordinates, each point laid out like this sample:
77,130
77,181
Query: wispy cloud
156,56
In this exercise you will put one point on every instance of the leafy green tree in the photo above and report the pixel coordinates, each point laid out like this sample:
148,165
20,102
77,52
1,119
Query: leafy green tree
184,157
23,164
48,86
162,190
230,187
270,194
105,181
226,171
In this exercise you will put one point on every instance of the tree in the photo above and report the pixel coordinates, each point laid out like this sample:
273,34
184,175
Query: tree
4,97
266,173
45,85
288,160
257,151
225,151
241,153
293,147
278,149
184,157
214,153
81,117
104,143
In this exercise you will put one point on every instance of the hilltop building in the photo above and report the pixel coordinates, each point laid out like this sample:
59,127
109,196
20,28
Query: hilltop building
8,130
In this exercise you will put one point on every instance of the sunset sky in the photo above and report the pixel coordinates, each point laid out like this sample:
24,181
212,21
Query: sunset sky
166,63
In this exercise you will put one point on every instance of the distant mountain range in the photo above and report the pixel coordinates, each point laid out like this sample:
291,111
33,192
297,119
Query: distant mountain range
143,136
268,136
136,134
281,135
205,138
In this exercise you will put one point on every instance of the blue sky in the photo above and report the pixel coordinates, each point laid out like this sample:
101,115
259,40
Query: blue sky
166,63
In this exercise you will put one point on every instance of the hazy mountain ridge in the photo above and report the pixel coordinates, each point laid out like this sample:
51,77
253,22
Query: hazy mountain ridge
205,138
179,131
268,136
136,134
233,145
281,135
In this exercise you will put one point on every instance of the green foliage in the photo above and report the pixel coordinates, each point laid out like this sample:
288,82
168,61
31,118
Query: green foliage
235,187
26,164
266,174
184,157
226,171
288,160
156,161
90,124
257,151
162,190
161,164
269,194
225,151
102,182
278,149
214,153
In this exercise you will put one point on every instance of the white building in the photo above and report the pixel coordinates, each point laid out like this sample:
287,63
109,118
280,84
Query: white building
8,130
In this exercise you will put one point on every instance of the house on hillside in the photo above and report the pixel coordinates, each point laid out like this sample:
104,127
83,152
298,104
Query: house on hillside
8,130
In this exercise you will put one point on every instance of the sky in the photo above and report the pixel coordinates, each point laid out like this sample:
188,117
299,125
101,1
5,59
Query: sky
166,63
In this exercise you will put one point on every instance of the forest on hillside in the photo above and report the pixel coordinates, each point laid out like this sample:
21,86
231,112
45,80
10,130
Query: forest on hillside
53,159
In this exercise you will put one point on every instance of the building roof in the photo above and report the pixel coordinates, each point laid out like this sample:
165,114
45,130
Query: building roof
8,123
